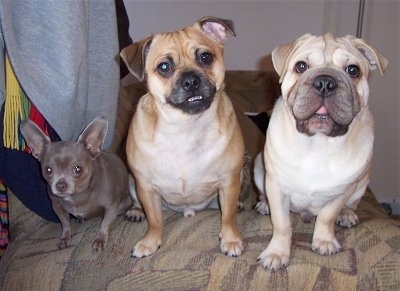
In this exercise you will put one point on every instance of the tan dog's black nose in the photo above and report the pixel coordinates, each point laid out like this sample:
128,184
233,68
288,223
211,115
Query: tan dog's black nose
190,81
325,85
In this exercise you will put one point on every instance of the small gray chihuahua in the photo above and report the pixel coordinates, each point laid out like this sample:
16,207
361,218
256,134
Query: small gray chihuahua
83,180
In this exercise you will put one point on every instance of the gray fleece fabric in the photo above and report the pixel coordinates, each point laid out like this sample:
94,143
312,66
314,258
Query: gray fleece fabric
65,56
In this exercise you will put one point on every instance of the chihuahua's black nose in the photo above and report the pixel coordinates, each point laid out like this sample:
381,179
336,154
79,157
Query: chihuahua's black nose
61,185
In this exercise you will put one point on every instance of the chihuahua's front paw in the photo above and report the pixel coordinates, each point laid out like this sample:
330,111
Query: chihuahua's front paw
135,214
347,218
262,207
63,242
326,247
145,248
99,244
100,241
274,259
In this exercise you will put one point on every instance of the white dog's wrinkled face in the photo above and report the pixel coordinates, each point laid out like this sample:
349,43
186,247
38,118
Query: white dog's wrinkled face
325,81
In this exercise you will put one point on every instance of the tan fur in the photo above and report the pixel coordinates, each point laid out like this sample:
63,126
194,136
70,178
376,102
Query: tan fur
180,160
318,165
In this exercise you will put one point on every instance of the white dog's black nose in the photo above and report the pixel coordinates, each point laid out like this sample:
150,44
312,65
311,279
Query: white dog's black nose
325,85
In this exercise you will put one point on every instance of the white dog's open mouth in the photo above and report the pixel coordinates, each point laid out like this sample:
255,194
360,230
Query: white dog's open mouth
195,98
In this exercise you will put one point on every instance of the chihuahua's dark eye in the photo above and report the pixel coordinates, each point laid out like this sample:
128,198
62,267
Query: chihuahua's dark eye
353,71
48,170
206,58
165,69
301,67
78,170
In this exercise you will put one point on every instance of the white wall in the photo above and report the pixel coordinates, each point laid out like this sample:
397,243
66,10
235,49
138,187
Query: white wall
263,25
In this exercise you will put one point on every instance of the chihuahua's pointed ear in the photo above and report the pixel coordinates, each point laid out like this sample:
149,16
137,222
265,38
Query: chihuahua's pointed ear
217,28
134,56
34,137
93,135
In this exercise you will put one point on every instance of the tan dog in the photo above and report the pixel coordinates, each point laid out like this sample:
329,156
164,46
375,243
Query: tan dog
319,141
184,146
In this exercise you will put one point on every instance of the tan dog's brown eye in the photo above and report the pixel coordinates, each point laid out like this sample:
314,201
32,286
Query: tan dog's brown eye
301,67
205,58
353,71
78,170
165,69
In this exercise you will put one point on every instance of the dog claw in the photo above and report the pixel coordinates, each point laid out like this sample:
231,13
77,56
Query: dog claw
135,215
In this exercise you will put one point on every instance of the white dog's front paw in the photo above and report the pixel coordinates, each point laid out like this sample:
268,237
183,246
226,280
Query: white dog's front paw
262,207
326,247
274,258
347,218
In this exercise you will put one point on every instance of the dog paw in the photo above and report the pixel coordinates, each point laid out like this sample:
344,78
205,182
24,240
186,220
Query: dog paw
63,243
188,212
99,244
347,218
326,247
135,215
262,207
274,259
143,249
232,248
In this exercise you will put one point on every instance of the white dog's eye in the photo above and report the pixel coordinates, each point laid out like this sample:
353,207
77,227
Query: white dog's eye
301,67
353,71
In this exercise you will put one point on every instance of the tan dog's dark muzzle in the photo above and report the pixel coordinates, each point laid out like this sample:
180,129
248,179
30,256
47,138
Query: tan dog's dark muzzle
193,93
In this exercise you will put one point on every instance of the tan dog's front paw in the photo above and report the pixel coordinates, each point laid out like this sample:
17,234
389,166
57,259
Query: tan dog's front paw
145,248
274,259
135,214
326,247
232,248
347,218
231,243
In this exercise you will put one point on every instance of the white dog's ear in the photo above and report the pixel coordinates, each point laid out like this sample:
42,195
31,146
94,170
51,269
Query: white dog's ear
217,28
374,58
94,134
281,54
34,137
134,56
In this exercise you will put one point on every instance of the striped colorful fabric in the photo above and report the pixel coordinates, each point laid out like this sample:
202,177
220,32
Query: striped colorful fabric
17,107
4,230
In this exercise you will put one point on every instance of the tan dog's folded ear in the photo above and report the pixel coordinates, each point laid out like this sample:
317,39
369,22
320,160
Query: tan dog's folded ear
216,27
282,53
375,59
134,56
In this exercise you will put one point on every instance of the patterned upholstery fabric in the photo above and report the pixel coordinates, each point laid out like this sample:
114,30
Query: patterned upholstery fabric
190,259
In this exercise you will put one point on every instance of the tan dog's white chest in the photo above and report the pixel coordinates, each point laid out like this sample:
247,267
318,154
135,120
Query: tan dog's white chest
178,159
